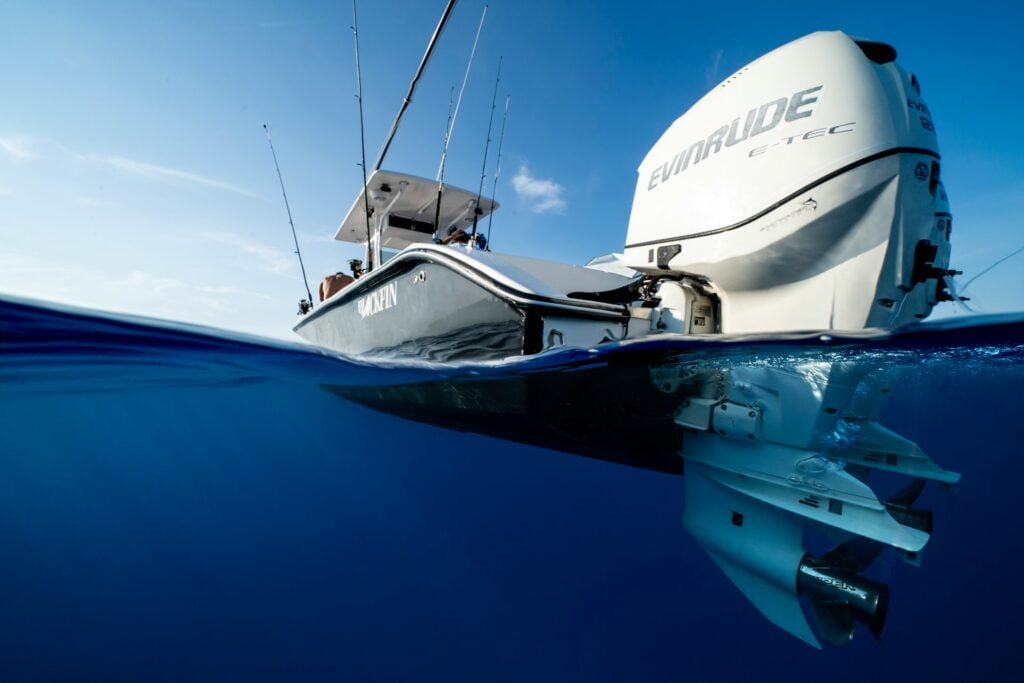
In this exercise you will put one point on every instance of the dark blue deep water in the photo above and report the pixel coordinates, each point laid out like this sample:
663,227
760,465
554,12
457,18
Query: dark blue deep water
178,505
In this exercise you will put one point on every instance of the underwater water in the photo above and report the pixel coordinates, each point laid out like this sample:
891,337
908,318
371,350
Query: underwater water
181,505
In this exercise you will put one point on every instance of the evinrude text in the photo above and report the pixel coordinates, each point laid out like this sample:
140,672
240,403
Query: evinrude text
758,120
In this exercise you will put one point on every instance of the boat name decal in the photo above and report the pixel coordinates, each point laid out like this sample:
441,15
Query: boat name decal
379,300
758,120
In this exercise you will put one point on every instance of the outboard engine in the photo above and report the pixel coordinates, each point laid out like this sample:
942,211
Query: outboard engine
802,193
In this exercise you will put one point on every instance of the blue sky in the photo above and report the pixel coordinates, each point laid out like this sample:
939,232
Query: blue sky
134,175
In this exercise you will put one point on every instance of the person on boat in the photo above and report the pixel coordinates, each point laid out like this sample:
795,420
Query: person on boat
332,284
457,235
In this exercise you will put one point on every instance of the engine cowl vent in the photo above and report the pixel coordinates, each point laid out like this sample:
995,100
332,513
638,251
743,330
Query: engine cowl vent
879,53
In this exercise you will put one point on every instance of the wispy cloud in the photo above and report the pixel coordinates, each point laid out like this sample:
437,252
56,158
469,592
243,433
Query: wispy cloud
92,202
6,191
20,147
260,256
14,265
170,175
142,291
152,283
158,284
317,237
711,73
16,146
543,195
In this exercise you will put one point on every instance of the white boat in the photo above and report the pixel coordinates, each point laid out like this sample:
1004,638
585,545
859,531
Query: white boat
803,193
447,302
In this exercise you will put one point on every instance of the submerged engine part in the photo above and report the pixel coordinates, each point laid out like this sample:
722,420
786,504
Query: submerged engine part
771,452
805,189
840,596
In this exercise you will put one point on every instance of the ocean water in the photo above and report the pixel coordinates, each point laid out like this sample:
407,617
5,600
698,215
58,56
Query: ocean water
178,504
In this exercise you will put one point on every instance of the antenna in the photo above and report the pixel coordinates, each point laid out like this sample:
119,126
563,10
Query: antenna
306,305
483,166
451,125
497,171
362,135
412,86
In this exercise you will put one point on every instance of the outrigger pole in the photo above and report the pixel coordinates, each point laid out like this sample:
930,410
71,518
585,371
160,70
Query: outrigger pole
362,136
412,86
306,305
451,125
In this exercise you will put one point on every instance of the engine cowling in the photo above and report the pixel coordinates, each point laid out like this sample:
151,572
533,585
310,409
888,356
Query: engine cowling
805,188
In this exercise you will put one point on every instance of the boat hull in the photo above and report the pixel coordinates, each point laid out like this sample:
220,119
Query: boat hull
442,305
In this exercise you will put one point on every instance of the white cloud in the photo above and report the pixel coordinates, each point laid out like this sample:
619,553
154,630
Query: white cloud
317,237
6,191
91,202
166,174
151,282
19,147
13,264
543,195
146,292
16,147
261,256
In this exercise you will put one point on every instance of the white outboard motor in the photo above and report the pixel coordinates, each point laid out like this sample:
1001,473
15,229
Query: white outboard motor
803,192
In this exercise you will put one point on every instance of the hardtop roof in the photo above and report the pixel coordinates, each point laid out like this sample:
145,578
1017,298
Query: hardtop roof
414,209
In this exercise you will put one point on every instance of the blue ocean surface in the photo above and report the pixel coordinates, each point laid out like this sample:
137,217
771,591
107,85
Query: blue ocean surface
180,504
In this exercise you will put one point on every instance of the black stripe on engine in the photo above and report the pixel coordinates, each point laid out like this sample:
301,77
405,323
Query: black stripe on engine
794,195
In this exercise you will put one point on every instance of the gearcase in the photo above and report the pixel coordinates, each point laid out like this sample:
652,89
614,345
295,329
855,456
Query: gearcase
803,196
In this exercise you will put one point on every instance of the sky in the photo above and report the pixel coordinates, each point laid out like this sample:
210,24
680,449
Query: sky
135,177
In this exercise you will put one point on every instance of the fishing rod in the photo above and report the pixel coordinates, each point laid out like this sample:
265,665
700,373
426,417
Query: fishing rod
306,305
957,292
448,121
444,138
497,170
362,135
412,86
487,144
1004,258
451,125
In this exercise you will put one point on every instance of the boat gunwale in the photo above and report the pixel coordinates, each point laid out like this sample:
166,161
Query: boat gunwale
465,268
